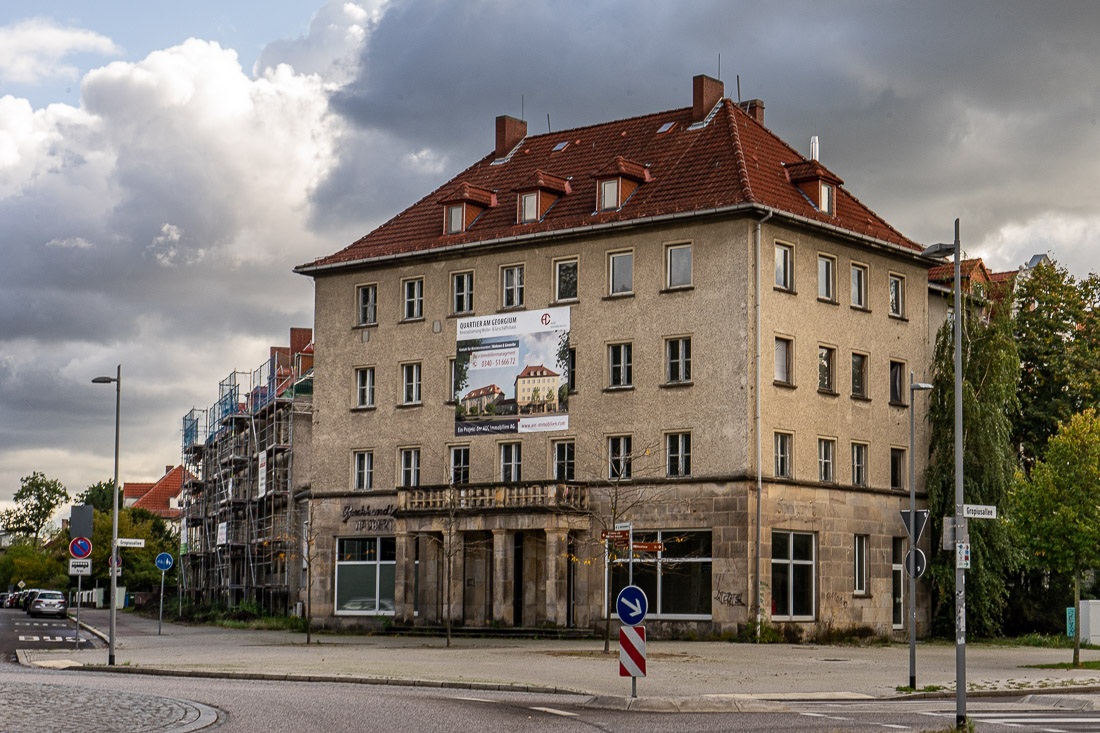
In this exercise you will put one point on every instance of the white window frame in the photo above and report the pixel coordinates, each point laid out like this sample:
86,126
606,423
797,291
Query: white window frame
410,466
528,215
565,460
558,264
826,460
620,365
619,457
609,195
784,266
462,292
460,471
896,284
410,383
511,286
858,280
367,299
784,373
665,565
613,258
791,562
362,466
677,454
783,445
412,298
860,451
455,226
364,387
670,252
511,462
828,199
859,571
678,364
826,278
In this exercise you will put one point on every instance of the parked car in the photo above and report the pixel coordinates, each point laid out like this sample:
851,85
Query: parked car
4,599
28,596
49,603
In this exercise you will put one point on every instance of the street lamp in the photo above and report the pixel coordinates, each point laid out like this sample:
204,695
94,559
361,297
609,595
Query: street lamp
961,535
113,561
914,387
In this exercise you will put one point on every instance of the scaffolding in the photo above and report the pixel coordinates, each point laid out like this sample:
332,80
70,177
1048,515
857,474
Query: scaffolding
240,530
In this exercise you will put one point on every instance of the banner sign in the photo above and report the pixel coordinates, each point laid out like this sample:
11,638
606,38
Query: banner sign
511,373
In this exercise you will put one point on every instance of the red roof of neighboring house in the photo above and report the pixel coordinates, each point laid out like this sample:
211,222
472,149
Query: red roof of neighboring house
134,489
733,160
536,370
156,498
973,269
482,391
1003,277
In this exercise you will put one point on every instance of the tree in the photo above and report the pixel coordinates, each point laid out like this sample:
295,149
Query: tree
1058,335
138,563
990,373
1056,507
99,496
35,503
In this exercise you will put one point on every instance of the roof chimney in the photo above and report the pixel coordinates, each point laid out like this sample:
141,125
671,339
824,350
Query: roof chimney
168,468
509,132
814,147
705,93
754,108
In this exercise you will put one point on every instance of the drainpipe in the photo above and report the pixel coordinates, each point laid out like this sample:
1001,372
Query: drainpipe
759,437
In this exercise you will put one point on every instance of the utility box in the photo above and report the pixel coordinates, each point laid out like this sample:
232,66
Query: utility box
1090,622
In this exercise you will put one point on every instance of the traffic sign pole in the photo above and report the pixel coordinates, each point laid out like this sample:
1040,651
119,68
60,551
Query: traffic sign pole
164,562
79,587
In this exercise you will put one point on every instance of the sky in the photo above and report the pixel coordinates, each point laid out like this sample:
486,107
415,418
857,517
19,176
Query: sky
164,166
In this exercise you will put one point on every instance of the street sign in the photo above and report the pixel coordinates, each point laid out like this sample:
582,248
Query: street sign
130,542
80,520
979,511
648,546
922,563
922,520
616,535
631,605
80,547
164,561
115,561
117,572
80,566
632,651
21,585
625,526
962,555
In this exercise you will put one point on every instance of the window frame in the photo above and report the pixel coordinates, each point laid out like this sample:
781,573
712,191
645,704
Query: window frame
602,200
829,280
612,258
515,291
572,380
860,468
785,280
459,473
783,463
828,199
678,454
511,462
826,460
897,383
660,582
669,250
564,459
377,563
791,562
558,263
465,297
621,376
788,367
826,367
364,387
409,465
859,569
864,391
898,460
897,305
412,304
366,298
411,377
449,223
859,290
362,470
620,457
521,215
897,582
681,362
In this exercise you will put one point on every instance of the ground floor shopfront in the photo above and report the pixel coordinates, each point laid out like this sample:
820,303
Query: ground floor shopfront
531,555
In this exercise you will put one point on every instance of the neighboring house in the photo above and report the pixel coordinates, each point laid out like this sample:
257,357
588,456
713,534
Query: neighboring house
163,498
477,400
134,490
741,332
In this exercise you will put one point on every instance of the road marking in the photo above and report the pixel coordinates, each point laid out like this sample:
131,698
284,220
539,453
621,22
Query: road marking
552,711
822,715
899,727
474,699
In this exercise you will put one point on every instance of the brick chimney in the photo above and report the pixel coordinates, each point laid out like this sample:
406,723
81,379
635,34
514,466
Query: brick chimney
509,132
705,93
168,468
754,108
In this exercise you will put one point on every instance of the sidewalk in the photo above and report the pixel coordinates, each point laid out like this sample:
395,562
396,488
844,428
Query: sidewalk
695,675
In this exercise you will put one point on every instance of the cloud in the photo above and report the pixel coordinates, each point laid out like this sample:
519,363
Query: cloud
34,50
70,243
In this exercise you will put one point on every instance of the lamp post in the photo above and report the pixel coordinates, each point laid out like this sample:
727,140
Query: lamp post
914,387
113,561
961,534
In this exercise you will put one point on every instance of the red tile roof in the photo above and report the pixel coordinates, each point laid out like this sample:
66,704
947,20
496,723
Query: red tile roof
156,498
536,370
973,269
482,391
731,161
134,489
1001,277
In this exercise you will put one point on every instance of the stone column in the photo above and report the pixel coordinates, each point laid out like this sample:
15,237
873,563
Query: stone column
454,554
556,585
431,579
503,576
404,584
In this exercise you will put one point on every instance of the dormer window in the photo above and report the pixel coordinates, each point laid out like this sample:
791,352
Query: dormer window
616,183
454,219
826,205
465,204
529,207
609,194
536,198
817,183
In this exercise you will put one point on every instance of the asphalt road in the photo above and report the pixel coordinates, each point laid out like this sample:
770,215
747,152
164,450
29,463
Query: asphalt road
20,631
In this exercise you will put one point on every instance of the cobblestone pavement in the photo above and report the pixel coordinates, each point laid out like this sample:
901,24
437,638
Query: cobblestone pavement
32,706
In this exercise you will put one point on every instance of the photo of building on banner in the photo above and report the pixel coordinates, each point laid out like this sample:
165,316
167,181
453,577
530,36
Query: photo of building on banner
512,373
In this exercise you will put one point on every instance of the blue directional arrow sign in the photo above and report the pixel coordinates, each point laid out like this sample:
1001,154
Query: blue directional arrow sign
164,561
631,605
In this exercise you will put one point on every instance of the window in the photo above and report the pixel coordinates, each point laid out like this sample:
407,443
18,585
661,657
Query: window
454,219
860,571
826,278
364,392
565,280
414,299
859,464
510,459
572,369
826,460
621,267
783,360
460,464
784,256
368,305
677,581
364,470
678,356
609,194
859,286
621,368
859,375
897,383
452,387
564,460
793,571
619,455
826,199
897,574
365,572
410,379
678,454
679,266
512,287
462,285
783,455
897,469
897,295
826,361
410,466
529,207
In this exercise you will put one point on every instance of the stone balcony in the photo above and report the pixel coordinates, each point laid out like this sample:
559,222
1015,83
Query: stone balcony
468,498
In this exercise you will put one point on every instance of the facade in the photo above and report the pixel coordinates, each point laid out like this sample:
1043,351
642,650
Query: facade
733,381
243,460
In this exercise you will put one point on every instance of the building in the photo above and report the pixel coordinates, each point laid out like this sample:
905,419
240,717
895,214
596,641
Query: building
243,460
162,497
732,334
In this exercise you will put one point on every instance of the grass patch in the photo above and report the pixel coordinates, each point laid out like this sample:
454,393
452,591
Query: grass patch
927,688
1092,664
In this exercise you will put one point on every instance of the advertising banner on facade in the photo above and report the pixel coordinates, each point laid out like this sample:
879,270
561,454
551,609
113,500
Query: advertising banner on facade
512,373
262,488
